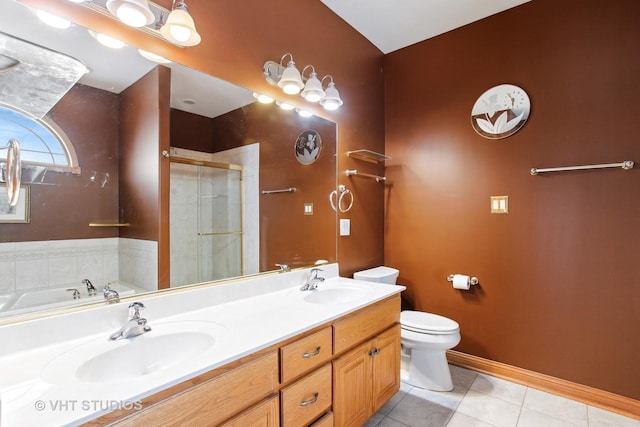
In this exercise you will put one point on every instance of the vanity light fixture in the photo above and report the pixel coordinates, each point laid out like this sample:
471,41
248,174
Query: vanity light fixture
312,91
263,99
108,41
53,20
288,79
285,106
291,81
153,57
180,28
331,100
304,113
135,13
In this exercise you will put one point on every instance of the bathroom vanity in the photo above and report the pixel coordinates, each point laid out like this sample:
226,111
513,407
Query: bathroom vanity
251,352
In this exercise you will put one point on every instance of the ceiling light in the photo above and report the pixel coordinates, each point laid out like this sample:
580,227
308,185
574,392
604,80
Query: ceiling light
264,99
180,28
312,91
331,100
53,20
108,41
153,57
135,13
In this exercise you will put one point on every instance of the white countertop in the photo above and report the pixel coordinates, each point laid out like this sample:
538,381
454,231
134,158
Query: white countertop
244,317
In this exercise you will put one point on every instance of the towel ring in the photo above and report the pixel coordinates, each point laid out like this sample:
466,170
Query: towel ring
343,192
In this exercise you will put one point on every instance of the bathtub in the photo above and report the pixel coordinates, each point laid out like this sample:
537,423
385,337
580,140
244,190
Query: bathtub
48,298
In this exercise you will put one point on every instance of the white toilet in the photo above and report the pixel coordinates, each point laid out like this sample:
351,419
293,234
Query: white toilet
425,339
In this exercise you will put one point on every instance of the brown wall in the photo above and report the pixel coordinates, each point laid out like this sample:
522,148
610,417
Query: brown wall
238,37
144,189
282,218
559,274
66,203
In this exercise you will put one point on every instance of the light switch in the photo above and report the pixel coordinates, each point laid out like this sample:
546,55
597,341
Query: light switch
500,204
345,227
308,208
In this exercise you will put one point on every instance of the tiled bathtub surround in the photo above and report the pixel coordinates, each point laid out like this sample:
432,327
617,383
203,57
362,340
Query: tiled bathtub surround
56,263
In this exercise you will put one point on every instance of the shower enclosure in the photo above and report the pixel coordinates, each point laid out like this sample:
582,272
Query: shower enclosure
206,221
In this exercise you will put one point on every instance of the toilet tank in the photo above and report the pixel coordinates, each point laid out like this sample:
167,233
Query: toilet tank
378,274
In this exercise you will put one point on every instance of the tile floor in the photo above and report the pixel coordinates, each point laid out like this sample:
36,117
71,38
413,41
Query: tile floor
480,400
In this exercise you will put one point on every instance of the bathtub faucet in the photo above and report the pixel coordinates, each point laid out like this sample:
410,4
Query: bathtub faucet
134,326
91,290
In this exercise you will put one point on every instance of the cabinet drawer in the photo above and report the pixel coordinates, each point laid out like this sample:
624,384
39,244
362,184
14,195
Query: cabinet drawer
355,329
265,414
305,354
326,421
215,400
306,399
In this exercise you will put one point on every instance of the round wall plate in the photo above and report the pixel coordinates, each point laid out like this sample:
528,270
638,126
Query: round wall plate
500,112
308,147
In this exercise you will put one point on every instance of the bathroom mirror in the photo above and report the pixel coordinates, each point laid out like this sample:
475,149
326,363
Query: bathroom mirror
78,219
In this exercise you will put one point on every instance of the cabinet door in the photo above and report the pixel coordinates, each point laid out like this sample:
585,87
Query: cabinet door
386,366
352,387
266,414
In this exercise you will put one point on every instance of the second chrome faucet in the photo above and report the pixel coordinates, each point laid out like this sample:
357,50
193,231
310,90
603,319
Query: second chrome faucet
311,284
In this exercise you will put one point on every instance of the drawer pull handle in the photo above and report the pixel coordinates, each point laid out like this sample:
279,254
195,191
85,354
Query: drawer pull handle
312,354
311,401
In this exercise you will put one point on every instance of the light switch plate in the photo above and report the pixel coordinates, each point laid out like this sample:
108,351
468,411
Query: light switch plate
308,208
345,227
500,204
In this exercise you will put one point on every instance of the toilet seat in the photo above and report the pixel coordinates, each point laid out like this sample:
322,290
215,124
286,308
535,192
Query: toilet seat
427,323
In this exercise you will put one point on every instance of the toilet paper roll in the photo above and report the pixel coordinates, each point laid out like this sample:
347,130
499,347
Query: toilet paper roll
461,281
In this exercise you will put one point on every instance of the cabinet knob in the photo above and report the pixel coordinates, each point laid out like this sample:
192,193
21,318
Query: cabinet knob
374,352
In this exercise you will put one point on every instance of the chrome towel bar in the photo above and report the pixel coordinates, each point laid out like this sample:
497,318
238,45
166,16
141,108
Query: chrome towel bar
626,165
285,190
351,172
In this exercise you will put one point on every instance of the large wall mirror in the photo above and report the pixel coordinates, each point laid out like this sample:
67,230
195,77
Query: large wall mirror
248,183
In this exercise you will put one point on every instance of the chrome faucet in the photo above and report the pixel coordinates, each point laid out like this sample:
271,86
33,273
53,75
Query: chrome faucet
76,293
134,326
91,290
111,295
312,280
284,268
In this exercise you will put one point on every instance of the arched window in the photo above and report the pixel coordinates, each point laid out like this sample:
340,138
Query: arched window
42,142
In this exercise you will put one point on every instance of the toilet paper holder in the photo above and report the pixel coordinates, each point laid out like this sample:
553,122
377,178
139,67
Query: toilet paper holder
472,280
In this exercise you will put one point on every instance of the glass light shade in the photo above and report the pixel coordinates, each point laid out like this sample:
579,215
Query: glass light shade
313,91
263,99
331,100
291,80
285,106
135,13
53,20
153,57
304,113
108,41
180,29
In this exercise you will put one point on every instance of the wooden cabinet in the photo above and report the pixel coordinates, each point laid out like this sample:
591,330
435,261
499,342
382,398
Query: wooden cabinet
306,399
214,400
338,374
305,354
365,378
265,414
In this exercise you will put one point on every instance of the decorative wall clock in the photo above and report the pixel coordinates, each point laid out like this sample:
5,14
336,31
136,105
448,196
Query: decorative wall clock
501,111
308,146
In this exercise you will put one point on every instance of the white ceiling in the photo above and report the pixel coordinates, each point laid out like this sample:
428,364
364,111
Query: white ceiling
393,24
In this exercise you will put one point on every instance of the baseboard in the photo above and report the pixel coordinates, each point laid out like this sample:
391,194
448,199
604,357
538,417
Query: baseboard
585,394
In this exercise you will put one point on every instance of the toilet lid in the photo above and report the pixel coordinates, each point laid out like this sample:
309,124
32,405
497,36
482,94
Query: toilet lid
418,321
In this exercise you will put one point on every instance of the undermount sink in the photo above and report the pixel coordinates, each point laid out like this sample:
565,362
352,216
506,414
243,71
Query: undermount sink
167,346
336,293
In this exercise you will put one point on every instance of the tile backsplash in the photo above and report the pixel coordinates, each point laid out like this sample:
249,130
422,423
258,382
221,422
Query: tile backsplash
56,263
